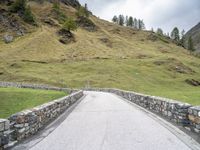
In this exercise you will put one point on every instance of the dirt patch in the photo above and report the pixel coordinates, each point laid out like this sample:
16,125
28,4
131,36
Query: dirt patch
66,36
106,41
50,22
15,65
142,56
86,23
174,65
115,31
32,61
192,82
152,37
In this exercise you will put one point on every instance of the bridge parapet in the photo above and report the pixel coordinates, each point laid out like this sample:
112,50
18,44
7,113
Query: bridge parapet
181,113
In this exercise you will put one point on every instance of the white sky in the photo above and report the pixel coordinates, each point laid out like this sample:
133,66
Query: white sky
165,14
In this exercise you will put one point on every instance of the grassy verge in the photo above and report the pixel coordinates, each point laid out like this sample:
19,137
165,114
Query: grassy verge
13,100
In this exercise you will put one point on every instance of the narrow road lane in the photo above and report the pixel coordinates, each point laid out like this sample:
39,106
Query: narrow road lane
104,121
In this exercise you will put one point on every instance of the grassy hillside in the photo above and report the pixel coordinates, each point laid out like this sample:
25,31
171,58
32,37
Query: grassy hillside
112,56
14,100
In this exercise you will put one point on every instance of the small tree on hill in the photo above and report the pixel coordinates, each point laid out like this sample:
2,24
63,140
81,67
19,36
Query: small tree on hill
69,25
135,23
175,35
115,19
83,12
141,25
159,31
190,44
121,20
182,41
130,21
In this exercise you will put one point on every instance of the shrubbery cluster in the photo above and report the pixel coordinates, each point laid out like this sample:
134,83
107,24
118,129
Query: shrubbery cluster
21,7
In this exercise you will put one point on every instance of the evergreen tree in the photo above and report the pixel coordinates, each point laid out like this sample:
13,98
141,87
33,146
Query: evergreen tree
175,35
182,41
126,21
83,11
121,20
135,23
115,19
159,31
190,44
86,10
141,25
130,21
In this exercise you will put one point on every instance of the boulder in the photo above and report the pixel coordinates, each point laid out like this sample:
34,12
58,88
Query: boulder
8,38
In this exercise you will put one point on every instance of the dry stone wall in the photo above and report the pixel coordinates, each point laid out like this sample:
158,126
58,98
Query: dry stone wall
181,113
35,86
27,123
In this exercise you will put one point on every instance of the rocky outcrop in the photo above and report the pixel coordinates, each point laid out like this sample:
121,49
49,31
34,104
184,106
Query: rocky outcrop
195,35
8,38
86,23
73,3
65,36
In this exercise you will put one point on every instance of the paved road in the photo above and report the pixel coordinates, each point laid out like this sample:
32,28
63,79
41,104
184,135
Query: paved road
104,121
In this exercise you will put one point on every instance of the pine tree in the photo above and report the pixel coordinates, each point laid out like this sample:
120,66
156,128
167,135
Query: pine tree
159,31
126,21
175,35
182,41
141,24
135,23
115,19
130,21
190,44
121,20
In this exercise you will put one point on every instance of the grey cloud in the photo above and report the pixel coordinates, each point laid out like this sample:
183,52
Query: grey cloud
156,13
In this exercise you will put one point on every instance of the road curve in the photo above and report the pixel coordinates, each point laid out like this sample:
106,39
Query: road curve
103,121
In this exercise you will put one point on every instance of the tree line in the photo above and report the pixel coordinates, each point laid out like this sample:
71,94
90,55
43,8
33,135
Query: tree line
129,21
178,38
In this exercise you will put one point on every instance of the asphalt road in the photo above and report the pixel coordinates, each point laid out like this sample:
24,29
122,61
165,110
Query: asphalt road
103,121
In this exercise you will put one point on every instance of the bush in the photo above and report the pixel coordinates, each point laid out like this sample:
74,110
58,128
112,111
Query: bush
28,16
82,12
24,11
18,5
59,14
70,25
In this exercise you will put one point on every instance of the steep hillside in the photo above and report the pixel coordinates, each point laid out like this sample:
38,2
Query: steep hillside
109,56
195,34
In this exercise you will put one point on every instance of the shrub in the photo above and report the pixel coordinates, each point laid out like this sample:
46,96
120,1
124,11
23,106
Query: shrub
82,12
70,25
59,14
28,16
18,5
24,11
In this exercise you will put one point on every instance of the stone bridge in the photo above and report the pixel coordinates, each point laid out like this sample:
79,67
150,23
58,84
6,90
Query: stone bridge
107,119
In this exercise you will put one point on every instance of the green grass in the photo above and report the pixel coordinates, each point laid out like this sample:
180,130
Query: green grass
13,100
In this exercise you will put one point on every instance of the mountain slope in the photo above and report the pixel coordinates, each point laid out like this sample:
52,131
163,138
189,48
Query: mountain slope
111,56
195,35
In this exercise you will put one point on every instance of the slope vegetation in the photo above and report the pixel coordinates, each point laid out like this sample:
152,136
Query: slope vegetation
111,56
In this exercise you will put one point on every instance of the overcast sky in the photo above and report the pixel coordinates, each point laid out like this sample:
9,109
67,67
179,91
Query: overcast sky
165,14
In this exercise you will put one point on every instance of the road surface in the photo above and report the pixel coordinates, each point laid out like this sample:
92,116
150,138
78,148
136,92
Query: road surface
103,121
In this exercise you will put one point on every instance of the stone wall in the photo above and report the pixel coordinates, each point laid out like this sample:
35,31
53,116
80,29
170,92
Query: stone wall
26,123
181,113
35,86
